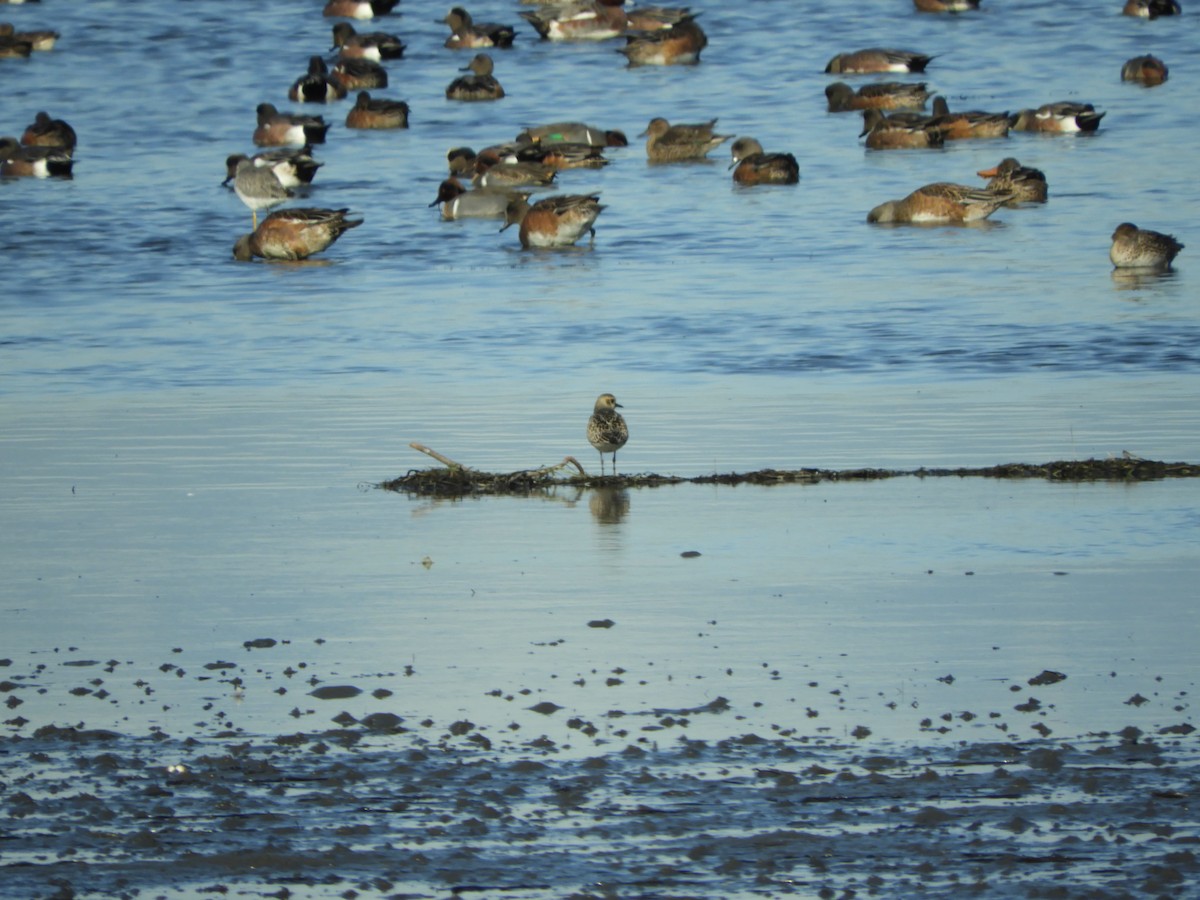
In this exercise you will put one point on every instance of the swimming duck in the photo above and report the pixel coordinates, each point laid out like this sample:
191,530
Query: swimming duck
466,33
38,39
373,45
12,48
459,203
1151,9
316,86
357,73
561,155
508,175
1149,70
598,20
971,124
557,221
1025,184
900,131
677,45
19,161
671,143
941,203
48,132
1062,117
752,166
378,113
277,128
358,9
480,85
945,6
880,95
292,234
574,133
877,59
1141,248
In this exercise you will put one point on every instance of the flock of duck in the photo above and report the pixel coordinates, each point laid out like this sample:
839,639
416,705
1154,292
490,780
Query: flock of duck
504,176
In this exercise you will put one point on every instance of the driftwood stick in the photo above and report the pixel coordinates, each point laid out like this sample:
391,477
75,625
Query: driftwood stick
543,471
444,460
567,462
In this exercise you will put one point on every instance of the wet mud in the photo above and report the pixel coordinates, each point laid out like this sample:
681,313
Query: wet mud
547,800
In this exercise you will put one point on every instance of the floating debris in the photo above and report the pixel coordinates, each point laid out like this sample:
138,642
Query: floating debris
456,480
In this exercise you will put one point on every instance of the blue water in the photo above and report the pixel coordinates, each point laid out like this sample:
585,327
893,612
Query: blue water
189,443
122,279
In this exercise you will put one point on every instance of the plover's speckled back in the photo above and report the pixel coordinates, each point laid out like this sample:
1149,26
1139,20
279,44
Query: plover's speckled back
606,429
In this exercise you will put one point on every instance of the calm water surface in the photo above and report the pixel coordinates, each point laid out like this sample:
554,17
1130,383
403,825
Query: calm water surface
189,442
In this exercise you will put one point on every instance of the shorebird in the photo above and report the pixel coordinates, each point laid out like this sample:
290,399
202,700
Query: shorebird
258,187
606,429
293,168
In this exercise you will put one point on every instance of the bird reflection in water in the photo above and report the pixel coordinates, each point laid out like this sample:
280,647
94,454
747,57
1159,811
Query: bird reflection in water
609,505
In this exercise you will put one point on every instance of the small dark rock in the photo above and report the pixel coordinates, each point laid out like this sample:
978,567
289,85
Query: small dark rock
335,692
1047,677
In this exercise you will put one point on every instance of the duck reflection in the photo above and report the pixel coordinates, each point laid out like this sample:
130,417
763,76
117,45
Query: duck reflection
1134,279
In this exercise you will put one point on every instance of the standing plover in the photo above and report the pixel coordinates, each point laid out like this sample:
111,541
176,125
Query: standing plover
606,430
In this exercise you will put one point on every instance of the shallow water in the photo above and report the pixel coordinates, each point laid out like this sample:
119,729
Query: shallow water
189,446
